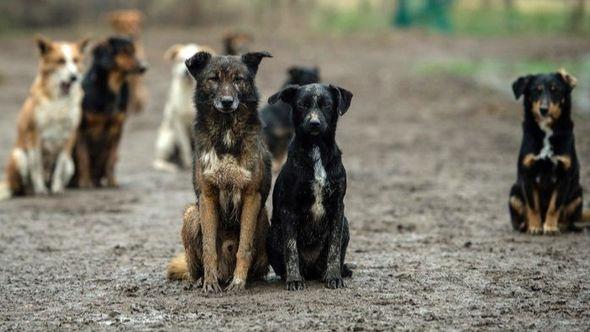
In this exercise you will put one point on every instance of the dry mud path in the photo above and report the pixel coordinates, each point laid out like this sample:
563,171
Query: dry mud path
430,160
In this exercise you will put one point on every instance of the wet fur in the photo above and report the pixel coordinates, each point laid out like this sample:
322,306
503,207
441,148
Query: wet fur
231,176
309,232
547,196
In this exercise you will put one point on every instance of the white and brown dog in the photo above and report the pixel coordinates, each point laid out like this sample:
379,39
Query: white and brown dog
174,143
41,160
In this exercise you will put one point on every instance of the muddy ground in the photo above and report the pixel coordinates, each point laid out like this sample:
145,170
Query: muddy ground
430,160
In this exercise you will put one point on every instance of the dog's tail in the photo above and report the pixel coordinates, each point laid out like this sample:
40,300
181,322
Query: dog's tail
177,268
5,191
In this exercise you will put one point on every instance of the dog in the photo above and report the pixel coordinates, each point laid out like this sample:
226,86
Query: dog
174,143
41,160
309,234
104,110
231,177
276,118
236,43
128,23
547,195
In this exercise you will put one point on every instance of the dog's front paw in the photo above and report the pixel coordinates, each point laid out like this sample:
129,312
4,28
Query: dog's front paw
57,187
237,285
550,230
211,287
295,285
535,230
334,282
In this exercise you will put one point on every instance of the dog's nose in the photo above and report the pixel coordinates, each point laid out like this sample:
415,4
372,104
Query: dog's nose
544,111
227,101
73,78
314,124
142,67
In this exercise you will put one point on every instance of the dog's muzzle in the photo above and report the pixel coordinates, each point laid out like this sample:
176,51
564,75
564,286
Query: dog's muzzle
226,104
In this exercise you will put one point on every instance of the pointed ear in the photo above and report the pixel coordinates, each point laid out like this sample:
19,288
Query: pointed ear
172,52
519,86
568,79
286,95
43,43
252,60
197,62
342,97
82,44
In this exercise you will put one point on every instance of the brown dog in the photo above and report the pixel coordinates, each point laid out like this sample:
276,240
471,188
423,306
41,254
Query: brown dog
104,111
128,23
236,43
231,177
41,158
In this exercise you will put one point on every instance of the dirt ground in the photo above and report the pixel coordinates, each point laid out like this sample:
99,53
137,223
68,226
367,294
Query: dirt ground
430,160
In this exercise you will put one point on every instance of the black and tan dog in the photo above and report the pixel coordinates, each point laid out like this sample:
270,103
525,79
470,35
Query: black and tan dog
104,106
309,233
224,233
276,118
547,195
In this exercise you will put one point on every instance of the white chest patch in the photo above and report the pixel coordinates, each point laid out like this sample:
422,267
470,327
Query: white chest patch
224,171
319,183
547,150
228,139
56,120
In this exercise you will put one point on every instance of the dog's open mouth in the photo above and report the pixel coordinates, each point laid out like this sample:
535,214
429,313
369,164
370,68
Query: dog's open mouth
65,88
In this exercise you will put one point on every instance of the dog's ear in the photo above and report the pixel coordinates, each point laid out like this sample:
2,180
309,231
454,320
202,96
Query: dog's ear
172,52
342,97
103,55
286,95
293,71
197,62
82,44
252,60
43,43
520,85
568,79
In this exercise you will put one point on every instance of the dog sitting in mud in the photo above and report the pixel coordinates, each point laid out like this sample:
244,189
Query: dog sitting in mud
276,118
547,195
231,177
127,23
309,233
106,97
47,123
174,143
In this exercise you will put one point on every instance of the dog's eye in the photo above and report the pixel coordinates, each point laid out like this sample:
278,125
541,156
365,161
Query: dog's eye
213,78
324,103
61,61
238,79
76,60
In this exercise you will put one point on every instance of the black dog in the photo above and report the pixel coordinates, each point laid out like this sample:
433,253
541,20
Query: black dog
106,97
309,232
547,192
278,128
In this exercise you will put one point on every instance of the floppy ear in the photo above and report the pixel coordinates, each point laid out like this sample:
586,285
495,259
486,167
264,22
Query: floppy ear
286,95
82,44
343,98
568,79
102,54
197,62
172,52
43,43
520,85
252,60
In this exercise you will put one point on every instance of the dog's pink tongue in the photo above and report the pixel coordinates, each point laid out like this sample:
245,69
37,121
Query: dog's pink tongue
65,88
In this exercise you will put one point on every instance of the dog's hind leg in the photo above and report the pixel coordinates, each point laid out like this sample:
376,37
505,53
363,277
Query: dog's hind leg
573,210
516,206
17,175
259,268
192,238
346,271
35,168
165,149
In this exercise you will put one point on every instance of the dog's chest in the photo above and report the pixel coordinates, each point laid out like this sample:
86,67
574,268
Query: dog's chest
56,120
224,171
318,185
547,148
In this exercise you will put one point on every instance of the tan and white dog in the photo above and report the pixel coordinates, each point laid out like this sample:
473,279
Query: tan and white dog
41,160
174,142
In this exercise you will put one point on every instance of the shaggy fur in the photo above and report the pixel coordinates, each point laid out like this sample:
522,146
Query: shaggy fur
309,233
174,145
547,195
276,118
231,176
104,112
41,159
